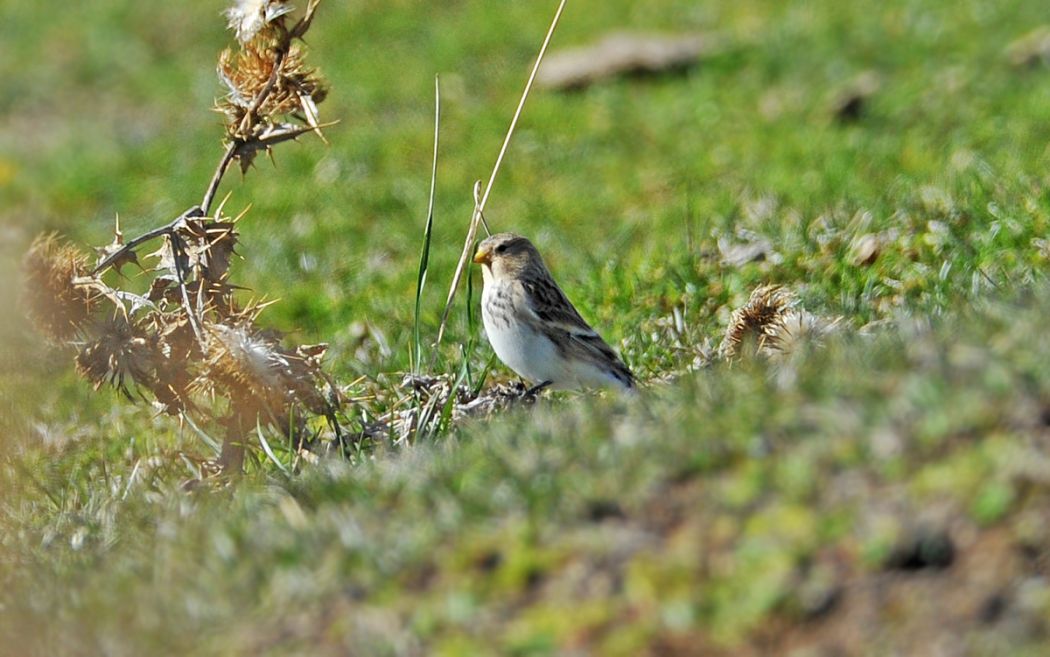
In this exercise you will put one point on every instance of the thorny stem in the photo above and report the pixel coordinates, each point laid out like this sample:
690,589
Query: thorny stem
177,253
213,187
220,171
249,118
131,245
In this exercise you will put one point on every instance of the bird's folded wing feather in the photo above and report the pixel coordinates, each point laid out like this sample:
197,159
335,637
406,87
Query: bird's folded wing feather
556,314
553,313
550,305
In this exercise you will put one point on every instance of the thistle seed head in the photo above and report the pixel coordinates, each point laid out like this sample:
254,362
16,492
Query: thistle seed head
57,303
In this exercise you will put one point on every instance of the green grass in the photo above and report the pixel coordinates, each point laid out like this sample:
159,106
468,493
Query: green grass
696,520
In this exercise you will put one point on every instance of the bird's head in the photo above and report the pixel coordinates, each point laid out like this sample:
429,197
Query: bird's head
507,255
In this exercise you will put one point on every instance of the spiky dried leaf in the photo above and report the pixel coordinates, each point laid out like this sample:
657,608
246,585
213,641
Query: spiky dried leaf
116,248
161,288
166,261
272,135
208,246
57,303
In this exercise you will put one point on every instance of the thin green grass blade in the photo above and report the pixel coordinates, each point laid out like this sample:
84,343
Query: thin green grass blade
416,357
208,440
446,412
266,448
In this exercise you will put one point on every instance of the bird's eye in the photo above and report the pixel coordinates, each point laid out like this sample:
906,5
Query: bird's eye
501,249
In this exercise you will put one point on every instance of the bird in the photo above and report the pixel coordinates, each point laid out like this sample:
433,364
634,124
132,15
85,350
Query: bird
534,328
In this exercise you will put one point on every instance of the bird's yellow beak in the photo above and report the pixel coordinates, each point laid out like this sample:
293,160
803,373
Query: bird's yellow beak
483,257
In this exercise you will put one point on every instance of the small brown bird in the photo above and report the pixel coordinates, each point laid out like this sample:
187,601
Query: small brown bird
532,325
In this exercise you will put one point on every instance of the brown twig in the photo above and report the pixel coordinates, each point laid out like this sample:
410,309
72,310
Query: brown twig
130,245
235,145
178,254
216,179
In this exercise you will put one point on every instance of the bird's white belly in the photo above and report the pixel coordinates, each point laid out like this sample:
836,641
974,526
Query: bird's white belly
526,351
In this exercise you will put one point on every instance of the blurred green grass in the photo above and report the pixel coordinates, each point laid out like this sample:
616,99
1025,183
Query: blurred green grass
720,508
626,187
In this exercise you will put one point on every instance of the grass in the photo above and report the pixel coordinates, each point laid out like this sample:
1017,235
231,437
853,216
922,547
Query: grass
711,519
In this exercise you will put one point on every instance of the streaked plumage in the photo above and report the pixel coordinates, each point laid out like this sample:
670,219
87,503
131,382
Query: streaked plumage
534,328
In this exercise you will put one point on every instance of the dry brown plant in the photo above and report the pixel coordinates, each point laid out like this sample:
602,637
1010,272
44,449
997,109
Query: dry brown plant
187,345
772,324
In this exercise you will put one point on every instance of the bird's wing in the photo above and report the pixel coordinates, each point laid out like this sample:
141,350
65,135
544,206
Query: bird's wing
555,314
553,309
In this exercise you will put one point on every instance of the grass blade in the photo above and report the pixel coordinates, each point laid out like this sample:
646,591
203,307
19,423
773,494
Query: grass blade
266,448
416,357
203,435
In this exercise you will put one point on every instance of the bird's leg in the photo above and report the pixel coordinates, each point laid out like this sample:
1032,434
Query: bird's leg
536,389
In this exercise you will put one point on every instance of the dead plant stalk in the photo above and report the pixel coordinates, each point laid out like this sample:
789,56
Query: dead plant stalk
478,216
188,342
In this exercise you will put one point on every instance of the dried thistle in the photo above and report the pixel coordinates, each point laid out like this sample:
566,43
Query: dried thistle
246,74
247,18
120,354
58,303
773,324
251,368
796,328
187,336
243,363
756,321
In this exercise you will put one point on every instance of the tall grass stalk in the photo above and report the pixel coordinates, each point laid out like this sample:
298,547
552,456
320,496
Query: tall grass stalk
479,206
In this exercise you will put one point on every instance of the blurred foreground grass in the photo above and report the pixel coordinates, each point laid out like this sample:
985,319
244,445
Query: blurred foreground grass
882,494
739,509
